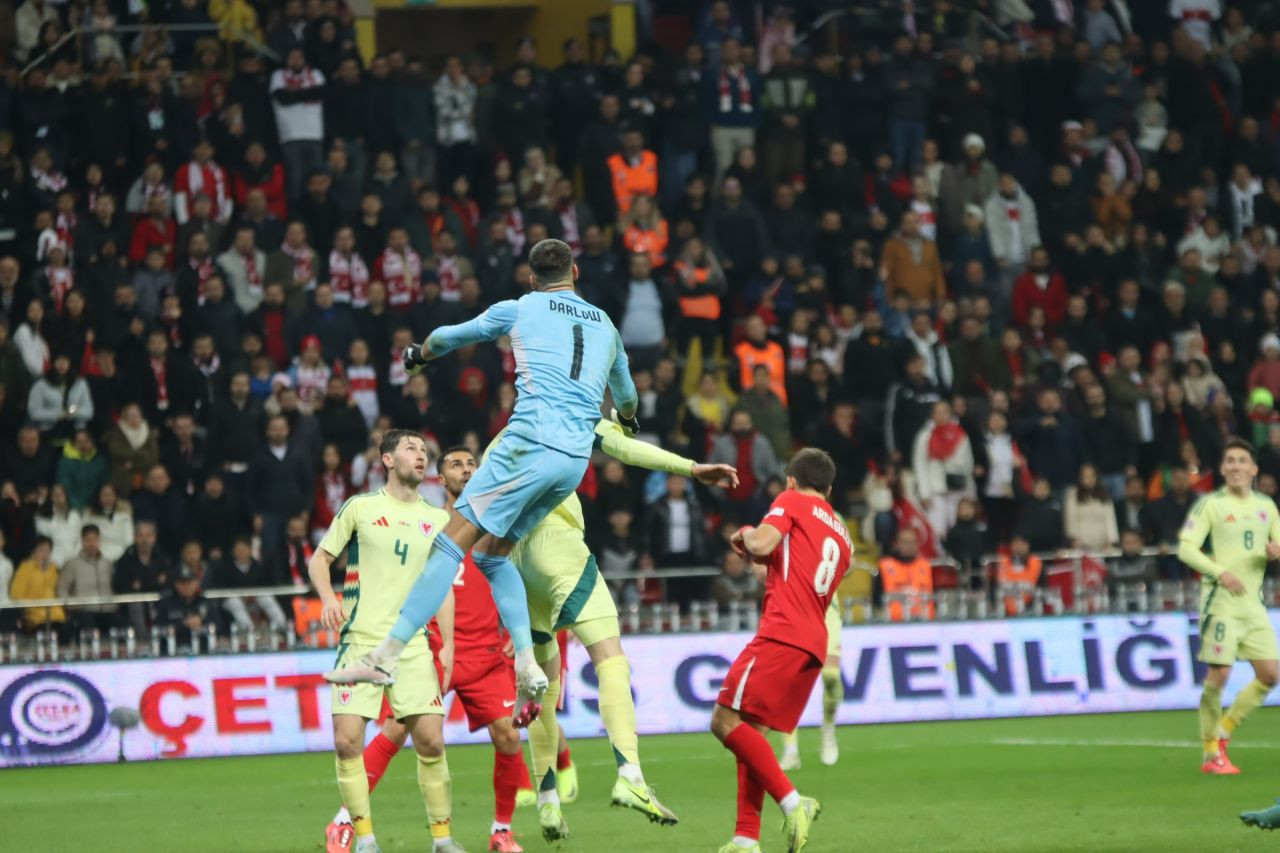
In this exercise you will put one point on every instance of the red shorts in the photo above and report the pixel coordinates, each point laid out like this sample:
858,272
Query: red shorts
485,684
770,683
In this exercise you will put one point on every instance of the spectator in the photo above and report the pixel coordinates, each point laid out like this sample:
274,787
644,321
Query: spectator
911,404
736,232
183,608
1012,226
82,470
297,93
976,362
415,124
243,267
1162,522
731,105
908,82
1040,287
30,342
1016,574
241,571
1129,507
907,576
634,170
966,543
700,284
218,516
756,350
1090,521
88,574
28,22
767,412
1107,441
1001,471
59,521
737,582
910,264
787,102
8,618
133,449
645,231
748,451
1131,567
1266,370
160,502
202,176
114,520
1040,519
922,339
675,536
942,461
59,402
1052,440
37,578
644,313
280,483
184,454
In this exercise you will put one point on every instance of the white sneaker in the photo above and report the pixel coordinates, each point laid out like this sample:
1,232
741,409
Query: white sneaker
367,845
790,759
830,753
531,683
367,670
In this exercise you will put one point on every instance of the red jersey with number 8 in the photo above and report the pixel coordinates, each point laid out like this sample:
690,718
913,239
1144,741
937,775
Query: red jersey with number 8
804,571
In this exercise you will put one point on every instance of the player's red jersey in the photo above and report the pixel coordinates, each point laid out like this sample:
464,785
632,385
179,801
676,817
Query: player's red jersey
804,571
475,619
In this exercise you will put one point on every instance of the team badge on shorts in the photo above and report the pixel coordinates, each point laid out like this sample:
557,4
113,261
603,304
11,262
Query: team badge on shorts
427,528
344,697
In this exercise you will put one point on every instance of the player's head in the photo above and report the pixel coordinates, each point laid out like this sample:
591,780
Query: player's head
404,455
551,264
1239,465
456,466
811,470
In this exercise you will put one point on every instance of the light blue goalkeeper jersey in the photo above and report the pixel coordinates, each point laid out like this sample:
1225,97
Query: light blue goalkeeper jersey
567,352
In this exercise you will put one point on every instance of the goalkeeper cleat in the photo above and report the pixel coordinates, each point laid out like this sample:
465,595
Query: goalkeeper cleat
796,826
1264,818
830,753
338,837
552,822
414,359
367,670
738,848
642,798
567,784
367,845
531,683
526,797
790,759
503,841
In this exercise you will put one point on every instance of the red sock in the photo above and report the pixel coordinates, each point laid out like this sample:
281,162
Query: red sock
754,751
563,760
506,781
750,801
520,773
377,755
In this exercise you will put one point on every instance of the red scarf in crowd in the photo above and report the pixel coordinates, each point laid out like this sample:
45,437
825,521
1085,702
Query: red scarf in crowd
194,178
728,76
303,263
251,273
349,278
447,273
61,281
203,270
944,440
162,386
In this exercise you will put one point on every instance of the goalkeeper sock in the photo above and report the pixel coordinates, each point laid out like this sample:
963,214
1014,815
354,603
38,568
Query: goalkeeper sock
750,802
618,712
377,755
544,737
509,594
437,792
428,591
832,693
753,750
507,777
1246,702
1210,715
353,786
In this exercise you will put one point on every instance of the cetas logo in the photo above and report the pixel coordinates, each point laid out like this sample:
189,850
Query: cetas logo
50,713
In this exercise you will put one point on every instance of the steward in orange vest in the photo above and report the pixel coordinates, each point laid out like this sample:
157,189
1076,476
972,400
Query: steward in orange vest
634,171
1022,567
756,349
907,573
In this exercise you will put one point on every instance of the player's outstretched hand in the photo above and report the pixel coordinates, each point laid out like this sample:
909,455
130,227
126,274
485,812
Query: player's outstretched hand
414,359
1273,550
737,542
1231,583
715,475
630,426
331,614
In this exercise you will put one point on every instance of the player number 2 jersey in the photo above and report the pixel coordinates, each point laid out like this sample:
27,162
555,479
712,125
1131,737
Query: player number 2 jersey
804,571
475,616
387,543
1236,531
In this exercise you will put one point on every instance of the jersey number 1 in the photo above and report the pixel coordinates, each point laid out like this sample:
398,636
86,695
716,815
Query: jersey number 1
576,369
826,572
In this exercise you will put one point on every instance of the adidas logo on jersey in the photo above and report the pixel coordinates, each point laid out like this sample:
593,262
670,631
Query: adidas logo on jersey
1229,519
382,522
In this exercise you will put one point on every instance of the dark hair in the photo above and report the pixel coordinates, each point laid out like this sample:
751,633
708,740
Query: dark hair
551,261
1238,443
41,540
812,469
391,439
457,448
90,528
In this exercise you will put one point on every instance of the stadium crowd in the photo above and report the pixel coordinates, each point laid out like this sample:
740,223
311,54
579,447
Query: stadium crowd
1020,288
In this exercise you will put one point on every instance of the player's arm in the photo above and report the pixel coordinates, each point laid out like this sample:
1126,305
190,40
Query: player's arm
621,386
760,541
334,542
1273,537
444,620
1191,548
489,325
613,440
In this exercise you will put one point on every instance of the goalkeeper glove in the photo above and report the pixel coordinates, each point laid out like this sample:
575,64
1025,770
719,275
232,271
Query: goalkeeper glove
630,425
414,359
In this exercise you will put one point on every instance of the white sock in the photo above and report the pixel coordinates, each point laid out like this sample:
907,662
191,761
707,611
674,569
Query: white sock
828,728
789,802
442,841
791,747
499,827
368,837
343,816
388,649
525,659
548,797
631,772
744,842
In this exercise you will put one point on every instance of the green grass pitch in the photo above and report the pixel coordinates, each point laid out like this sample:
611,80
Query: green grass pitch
1125,782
